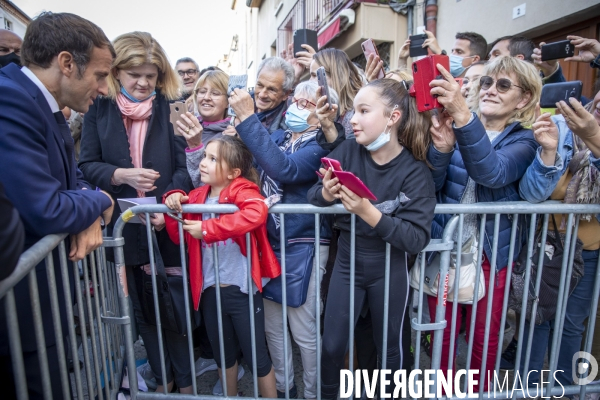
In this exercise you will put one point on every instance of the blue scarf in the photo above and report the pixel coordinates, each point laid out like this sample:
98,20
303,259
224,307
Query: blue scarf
130,97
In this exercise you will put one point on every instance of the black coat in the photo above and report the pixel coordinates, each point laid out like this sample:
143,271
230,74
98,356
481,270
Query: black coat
105,147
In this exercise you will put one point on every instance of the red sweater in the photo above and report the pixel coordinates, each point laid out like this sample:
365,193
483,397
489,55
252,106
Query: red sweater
251,218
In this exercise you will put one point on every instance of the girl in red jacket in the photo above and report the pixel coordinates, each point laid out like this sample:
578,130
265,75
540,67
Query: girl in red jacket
227,173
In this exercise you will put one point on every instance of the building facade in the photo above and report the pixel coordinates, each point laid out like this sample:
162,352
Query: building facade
268,25
13,18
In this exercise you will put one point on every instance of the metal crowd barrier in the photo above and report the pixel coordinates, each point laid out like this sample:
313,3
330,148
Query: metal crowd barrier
112,305
90,354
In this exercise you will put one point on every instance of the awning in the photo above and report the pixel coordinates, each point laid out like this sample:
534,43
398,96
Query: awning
342,21
329,33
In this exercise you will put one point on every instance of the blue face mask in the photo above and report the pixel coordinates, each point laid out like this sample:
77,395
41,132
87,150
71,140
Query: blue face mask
130,97
382,139
295,119
456,67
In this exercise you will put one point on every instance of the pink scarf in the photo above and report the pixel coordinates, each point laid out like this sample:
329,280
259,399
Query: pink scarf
135,117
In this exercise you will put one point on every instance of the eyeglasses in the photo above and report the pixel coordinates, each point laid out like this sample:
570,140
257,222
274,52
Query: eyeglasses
303,103
190,72
204,93
503,85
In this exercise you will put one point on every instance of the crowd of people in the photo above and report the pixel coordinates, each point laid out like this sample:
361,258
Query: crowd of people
85,121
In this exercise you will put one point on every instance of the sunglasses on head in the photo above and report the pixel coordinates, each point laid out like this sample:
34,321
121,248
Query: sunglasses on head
503,85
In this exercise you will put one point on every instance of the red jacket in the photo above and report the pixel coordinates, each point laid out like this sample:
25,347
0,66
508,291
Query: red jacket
251,218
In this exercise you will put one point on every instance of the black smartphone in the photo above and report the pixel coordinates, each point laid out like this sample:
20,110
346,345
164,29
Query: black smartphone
322,81
416,43
557,50
305,36
552,93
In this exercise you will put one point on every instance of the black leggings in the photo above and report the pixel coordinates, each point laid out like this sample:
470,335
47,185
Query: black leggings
236,327
369,286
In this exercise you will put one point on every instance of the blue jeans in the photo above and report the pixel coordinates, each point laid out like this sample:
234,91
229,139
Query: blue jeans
578,309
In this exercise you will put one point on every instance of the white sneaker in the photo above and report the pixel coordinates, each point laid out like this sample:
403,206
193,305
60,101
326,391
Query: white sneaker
204,365
218,389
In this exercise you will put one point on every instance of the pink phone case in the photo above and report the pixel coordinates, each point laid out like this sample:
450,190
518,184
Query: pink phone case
354,183
330,162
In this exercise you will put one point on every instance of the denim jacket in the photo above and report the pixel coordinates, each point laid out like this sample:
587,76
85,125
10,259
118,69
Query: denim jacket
539,180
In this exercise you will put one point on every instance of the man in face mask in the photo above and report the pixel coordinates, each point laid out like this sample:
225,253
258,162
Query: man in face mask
469,47
10,48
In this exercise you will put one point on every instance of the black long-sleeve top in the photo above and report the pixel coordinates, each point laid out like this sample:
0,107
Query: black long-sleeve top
405,195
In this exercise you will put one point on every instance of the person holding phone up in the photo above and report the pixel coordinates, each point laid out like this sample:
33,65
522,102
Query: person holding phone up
128,149
566,168
479,155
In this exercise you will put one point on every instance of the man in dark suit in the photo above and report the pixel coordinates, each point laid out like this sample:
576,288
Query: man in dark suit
66,60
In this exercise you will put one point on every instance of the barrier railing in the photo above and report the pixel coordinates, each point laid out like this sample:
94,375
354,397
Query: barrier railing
112,306
89,353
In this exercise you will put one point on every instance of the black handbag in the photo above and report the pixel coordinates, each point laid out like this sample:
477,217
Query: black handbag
171,300
550,281
298,264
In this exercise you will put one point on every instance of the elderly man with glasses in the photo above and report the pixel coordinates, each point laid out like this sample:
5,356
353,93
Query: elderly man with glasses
187,69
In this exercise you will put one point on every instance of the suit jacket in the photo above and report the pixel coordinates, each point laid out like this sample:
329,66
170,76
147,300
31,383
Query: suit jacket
105,147
42,183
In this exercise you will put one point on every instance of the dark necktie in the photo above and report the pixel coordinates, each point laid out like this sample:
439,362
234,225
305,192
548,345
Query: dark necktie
66,134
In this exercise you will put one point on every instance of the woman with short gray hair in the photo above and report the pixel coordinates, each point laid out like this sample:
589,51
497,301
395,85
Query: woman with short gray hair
287,161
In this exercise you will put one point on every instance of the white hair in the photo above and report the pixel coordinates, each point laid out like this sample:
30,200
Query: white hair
279,64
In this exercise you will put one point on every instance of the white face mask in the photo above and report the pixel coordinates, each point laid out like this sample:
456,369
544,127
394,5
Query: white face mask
383,138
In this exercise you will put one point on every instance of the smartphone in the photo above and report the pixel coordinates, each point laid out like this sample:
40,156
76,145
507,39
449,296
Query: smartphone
354,183
235,82
305,36
322,81
459,81
416,48
552,93
368,48
178,108
175,217
424,71
557,50
331,163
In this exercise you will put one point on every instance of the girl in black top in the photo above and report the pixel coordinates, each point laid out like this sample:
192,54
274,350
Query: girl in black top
388,156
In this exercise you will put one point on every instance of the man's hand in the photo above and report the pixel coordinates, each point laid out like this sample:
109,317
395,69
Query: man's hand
194,228
588,49
242,104
403,54
138,178
107,214
86,241
547,67
432,43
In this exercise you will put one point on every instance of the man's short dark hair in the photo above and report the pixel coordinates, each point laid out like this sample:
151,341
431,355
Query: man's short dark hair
50,34
517,45
478,44
187,60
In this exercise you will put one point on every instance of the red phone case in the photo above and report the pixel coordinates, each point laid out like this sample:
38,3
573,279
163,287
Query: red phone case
424,71
354,183
347,178
330,162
